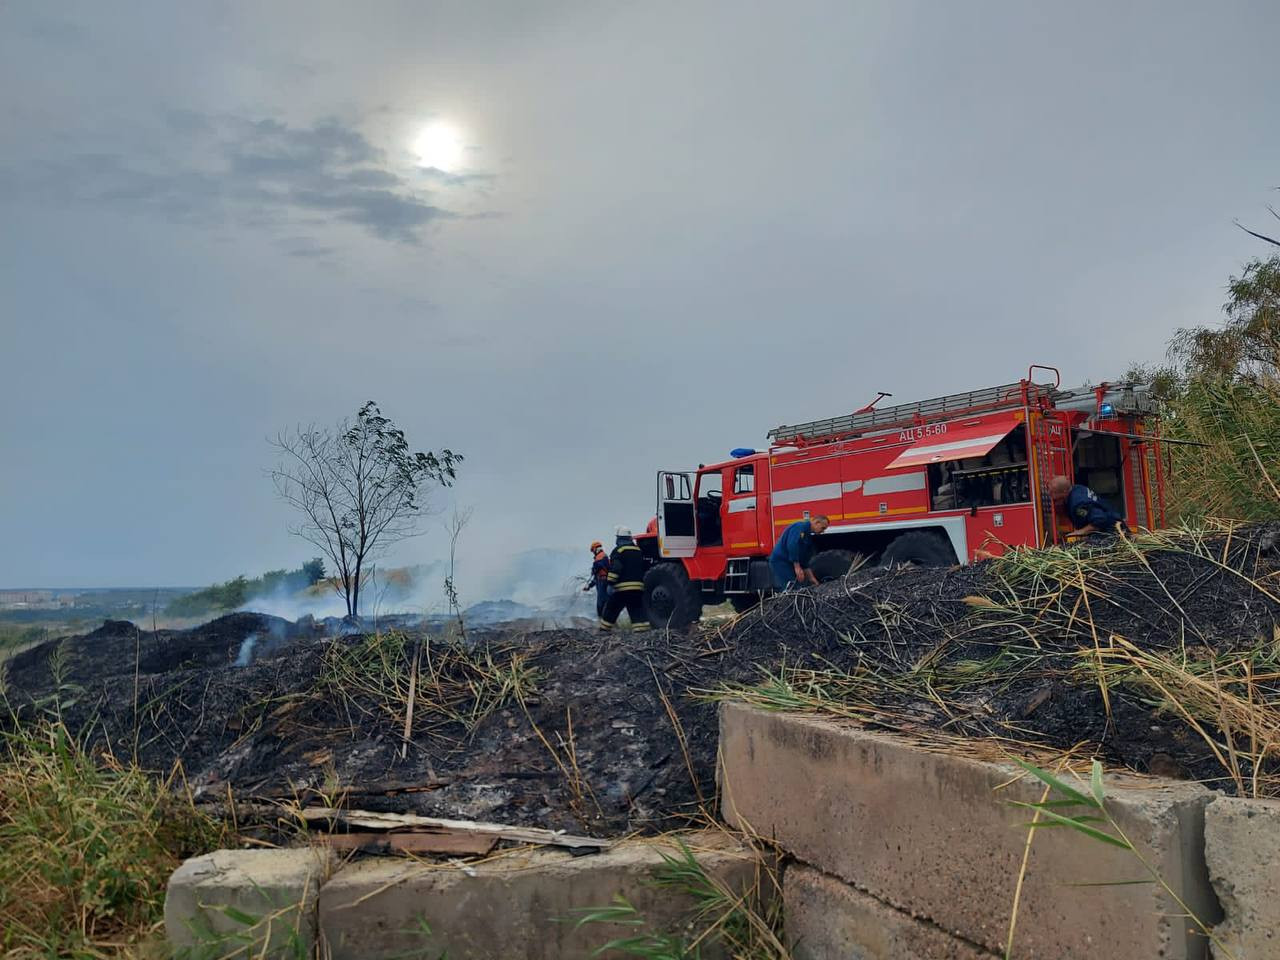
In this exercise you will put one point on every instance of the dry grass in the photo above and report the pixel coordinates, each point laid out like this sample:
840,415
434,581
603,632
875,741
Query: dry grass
1231,701
381,675
87,845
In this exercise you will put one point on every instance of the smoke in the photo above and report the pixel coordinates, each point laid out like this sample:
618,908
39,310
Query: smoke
257,645
294,606
245,656
547,581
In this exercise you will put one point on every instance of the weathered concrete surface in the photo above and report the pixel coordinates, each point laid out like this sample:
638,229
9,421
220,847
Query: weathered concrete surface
826,919
246,902
514,906
934,835
1242,847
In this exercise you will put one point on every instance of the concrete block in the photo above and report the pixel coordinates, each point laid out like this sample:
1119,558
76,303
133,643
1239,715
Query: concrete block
246,902
933,835
513,906
826,919
1242,847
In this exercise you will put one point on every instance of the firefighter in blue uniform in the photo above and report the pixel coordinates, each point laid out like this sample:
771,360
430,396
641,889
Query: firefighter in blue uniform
599,579
626,577
1086,511
793,553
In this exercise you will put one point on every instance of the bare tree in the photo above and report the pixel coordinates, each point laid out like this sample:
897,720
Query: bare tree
455,526
359,489
1262,236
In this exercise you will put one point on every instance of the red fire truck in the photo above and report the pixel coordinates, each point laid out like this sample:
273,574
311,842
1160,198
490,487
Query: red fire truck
942,481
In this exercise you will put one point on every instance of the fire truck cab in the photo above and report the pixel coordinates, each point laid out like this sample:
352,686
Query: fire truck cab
949,480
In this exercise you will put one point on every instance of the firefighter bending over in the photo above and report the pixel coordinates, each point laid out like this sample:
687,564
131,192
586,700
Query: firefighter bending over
1087,513
599,578
626,577
793,553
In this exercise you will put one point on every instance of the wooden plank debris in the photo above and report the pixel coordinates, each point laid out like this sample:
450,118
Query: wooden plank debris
458,844
368,820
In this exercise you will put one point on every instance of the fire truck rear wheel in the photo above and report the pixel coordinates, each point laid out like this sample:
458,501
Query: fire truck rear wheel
670,597
918,547
832,564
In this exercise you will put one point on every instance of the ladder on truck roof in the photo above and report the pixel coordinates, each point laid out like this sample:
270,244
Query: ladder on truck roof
1006,396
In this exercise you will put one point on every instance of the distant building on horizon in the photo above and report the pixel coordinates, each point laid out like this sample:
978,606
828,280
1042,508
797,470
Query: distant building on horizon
20,599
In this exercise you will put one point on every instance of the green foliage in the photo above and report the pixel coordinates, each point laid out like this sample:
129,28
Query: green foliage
741,923
1247,347
1220,392
1234,470
86,847
643,943
237,592
1083,810
313,571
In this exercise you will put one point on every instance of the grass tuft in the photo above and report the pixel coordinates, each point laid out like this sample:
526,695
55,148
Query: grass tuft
87,845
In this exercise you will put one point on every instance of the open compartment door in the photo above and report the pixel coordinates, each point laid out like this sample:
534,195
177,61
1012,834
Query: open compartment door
677,530
952,442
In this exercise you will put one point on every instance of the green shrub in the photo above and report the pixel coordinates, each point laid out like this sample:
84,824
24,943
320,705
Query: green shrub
235,593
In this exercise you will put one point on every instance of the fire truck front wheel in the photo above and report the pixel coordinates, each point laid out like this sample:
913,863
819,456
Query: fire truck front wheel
919,547
832,564
671,598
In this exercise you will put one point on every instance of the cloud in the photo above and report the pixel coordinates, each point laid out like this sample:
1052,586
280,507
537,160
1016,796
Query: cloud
254,172
52,30
444,178
306,248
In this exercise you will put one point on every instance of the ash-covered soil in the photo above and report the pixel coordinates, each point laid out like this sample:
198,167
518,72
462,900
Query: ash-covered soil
567,729
310,716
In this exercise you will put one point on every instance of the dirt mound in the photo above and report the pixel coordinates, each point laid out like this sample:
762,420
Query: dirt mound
1160,654
549,728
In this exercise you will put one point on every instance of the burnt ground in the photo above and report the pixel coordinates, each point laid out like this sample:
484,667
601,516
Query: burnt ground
565,729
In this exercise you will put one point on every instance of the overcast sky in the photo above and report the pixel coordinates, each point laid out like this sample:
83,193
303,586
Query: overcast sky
669,227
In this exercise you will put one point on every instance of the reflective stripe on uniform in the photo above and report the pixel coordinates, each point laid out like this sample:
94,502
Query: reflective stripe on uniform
628,585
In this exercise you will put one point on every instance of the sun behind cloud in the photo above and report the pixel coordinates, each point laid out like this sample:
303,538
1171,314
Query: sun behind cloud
439,145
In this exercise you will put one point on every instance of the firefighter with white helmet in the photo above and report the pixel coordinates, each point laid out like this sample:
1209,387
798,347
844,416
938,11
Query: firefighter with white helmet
626,578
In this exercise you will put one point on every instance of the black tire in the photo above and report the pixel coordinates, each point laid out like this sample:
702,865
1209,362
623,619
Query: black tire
832,564
918,547
670,597
742,602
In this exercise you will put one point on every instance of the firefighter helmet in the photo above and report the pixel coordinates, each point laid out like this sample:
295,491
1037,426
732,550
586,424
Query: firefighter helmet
623,532
596,545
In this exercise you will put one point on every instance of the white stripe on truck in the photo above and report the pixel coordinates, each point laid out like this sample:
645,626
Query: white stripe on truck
820,491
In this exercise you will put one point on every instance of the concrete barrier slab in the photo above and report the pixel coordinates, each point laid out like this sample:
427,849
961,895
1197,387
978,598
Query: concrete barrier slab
826,919
1242,847
246,902
514,906
932,834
